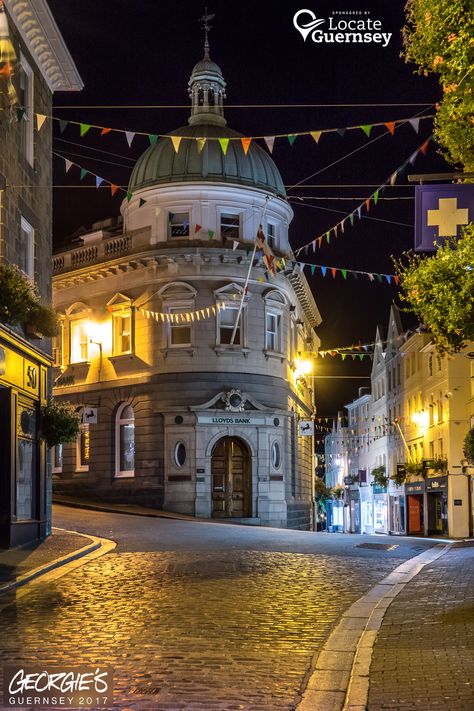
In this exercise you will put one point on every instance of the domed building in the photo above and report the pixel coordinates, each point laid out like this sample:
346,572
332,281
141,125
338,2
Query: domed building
182,353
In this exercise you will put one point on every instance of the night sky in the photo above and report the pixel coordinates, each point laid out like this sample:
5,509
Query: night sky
143,53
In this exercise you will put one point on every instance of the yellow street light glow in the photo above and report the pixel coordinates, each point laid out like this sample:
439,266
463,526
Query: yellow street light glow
421,419
304,366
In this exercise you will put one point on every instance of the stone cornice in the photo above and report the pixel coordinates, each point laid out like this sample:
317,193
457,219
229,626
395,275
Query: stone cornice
39,31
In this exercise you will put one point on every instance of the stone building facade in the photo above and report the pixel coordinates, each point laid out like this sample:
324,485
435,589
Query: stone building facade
176,412
41,65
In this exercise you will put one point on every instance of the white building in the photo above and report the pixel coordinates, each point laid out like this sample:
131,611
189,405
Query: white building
190,418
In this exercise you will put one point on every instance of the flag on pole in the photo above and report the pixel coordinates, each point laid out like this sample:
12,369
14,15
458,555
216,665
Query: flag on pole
268,256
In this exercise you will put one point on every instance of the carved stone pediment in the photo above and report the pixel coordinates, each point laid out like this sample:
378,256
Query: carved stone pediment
233,400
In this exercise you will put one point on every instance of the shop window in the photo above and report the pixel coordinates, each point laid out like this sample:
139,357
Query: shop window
57,453
26,249
230,225
276,455
26,99
125,441
178,225
180,454
122,332
26,469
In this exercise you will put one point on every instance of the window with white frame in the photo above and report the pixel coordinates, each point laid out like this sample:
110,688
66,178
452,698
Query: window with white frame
58,346
180,330
79,329
26,99
178,225
226,320
26,250
271,235
57,452
83,445
125,441
230,225
122,332
178,301
273,331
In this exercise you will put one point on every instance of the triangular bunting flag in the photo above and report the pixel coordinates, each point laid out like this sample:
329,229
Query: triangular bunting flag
246,144
224,143
69,165
367,129
316,135
320,241
371,276
63,125
201,142
175,140
351,218
130,135
367,204
344,273
84,128
291,138
343,355
396,279
340,131
141,202
98,181
387,277
152,137
359,212
235,244
197,228
424,147
328,237
84,172
313,269
390,125
414,123
323,271
40,119
20,113
105,131
210,234
342,226
270,140
393,178
113,188
361,356
333,270
353,356
376,196
129,196
379,277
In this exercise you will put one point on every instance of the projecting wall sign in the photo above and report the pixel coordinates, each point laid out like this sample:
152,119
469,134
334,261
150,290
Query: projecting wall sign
440,213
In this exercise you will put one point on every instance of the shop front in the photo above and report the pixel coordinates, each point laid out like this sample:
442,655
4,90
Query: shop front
366,510
397,513
437,505
354,510
380,509
414,492
23,471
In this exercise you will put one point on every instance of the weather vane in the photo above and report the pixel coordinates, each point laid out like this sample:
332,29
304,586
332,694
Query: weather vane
207,28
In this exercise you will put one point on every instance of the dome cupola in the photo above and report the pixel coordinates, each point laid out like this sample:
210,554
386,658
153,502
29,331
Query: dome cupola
206,87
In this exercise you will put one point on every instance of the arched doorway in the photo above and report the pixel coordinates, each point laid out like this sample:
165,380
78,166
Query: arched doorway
231,479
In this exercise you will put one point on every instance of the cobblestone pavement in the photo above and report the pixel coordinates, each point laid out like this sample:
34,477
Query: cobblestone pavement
424,653
217,627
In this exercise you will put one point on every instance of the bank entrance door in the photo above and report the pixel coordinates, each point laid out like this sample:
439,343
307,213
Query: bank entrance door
231,479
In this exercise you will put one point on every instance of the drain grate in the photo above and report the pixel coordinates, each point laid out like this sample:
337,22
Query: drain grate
378,546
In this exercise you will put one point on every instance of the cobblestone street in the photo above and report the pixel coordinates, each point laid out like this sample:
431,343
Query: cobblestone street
217,626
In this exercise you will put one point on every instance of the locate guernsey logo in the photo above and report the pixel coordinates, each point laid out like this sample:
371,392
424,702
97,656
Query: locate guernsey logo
53,687
339,30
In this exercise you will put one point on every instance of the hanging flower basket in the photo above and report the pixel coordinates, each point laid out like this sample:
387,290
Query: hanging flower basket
59,423
379,475
20,304
399,477
414,468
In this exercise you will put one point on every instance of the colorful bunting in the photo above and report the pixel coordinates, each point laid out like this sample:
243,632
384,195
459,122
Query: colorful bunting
291,138
246,144
105,131
316,135
98,181
113,188
197,228
84,172
224,143
210,234
129,135
152,137
390,125
40,119
62,125
129,196
367,129
414,123
201,142
69,165
84,128
270,140
175,140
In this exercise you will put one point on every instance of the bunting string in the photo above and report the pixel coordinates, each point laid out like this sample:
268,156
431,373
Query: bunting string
184,316
349,219
315,135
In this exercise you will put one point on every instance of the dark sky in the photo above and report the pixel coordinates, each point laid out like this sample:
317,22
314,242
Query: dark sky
143,53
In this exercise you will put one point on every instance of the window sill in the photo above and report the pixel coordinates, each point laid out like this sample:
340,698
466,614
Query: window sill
178,350
124,475
120,357
231,350
273,354
80,364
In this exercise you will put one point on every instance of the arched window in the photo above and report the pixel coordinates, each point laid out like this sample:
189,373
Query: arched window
125,441
180,454
276,455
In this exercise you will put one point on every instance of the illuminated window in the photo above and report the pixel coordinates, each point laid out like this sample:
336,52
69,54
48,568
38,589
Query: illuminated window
273,331
125,441
79,341
83,445
230,225
122,332
26,99
178,225
26,249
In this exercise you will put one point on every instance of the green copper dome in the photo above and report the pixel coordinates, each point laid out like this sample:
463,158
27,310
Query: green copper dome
161,164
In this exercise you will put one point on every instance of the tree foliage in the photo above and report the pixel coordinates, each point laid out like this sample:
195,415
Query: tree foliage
468,446
439,38
440,291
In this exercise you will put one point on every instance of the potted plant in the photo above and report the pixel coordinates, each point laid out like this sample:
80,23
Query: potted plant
41,322
59,423
17,296
399,477
380,476
440,465
414,468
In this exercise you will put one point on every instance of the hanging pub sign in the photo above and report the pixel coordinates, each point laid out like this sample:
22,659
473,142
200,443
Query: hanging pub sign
306,428
440,212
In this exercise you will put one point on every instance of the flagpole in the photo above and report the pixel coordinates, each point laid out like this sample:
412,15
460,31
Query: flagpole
247,279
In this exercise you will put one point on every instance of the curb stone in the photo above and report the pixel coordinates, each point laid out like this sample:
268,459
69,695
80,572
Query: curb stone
339,679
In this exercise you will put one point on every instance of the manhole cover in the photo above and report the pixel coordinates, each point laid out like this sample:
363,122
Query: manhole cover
378,546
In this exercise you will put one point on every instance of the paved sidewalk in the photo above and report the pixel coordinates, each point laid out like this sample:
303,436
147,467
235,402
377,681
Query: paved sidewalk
91,505
19,562
423,656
